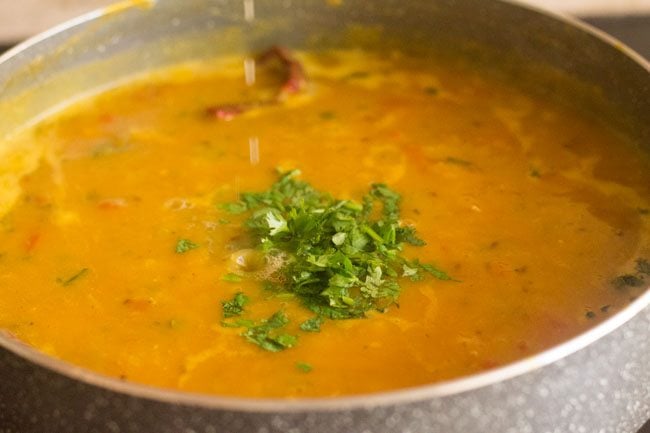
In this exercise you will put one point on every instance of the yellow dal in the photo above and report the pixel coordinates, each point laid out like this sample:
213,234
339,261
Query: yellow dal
534,207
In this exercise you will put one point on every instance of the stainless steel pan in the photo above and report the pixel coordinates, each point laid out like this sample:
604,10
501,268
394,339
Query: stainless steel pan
596,382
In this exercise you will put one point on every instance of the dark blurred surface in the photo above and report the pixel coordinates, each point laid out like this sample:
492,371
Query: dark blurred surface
634,31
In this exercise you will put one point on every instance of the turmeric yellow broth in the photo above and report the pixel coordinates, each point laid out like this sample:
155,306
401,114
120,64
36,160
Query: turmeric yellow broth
119,253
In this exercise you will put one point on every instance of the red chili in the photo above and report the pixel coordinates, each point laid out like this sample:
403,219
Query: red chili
295,82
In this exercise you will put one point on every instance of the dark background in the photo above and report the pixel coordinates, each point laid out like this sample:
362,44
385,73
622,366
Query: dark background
633,31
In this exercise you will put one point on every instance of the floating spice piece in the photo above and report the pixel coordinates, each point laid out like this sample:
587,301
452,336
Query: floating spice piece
627,280
32,242
296,79
295,82
228,111
138,304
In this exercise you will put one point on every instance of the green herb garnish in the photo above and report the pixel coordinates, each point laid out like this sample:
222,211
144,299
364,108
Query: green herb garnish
185,245
234,208
268,334
231,278
234,307
304,367
67,281
311,325
238,323
343,258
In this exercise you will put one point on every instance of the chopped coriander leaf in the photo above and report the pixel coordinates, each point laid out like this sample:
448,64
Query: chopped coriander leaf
67,281
237,323
267,336
408,235
410,272
185,245
339,238
276,222
235,306
234,208
342,258
304,367
231,278
437,273
311,325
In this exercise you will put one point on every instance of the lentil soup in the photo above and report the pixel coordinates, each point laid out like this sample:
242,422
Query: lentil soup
132,248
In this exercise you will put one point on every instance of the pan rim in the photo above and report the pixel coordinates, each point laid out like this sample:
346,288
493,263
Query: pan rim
329,404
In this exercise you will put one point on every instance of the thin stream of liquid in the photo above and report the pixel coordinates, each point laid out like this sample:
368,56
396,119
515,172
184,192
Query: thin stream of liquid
249,77
254,150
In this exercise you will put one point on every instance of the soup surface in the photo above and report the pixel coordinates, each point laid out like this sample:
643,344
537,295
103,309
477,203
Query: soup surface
119,253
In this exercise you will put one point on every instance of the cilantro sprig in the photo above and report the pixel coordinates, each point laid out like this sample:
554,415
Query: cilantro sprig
234,307
269,335
185,245
343,258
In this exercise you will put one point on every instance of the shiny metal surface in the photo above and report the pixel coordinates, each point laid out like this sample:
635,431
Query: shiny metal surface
598,382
